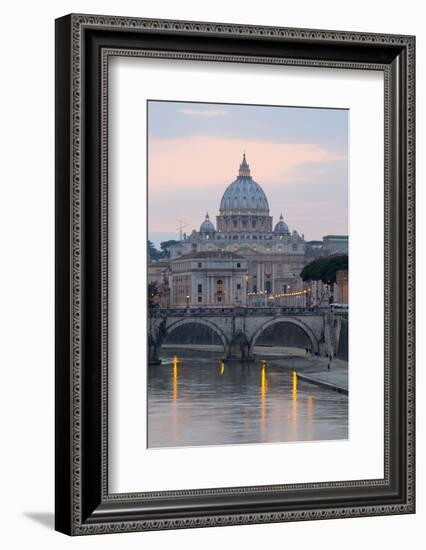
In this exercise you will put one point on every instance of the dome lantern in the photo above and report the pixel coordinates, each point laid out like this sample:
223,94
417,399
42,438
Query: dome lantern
244,171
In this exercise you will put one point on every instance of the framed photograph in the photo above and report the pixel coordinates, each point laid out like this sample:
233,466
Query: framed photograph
234,274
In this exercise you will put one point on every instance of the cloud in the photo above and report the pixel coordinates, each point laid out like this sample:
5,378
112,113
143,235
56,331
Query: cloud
188,176
199,162
202,112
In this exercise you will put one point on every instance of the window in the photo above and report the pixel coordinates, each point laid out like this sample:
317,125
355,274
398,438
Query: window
238,265
268,287
200,264
200,298
219,299
238,286
200,288
219,286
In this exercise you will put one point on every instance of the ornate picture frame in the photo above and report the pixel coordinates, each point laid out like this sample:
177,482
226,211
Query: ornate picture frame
84,44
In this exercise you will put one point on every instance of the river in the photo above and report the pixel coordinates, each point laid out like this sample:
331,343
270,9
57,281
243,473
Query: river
195,399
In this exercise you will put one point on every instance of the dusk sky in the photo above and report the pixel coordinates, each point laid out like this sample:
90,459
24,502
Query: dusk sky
299,156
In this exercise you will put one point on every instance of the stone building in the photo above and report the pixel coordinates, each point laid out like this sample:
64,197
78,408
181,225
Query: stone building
158,270
245,259
342,287
335,244
274,255
158,283
208,279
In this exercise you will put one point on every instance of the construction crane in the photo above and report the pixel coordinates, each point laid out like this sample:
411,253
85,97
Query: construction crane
181,225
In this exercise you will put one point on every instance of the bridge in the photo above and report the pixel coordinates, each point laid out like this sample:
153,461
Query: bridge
240,328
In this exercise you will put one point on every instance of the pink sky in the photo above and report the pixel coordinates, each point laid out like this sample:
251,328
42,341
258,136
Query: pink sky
210,162
188,175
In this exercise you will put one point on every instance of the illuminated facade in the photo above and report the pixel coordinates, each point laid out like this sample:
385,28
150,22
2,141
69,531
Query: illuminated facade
272,256
208,279
342,287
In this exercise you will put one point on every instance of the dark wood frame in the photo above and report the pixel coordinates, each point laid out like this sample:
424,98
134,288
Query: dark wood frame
83,45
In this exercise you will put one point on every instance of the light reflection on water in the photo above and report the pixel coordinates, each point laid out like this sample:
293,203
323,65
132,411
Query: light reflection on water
201,401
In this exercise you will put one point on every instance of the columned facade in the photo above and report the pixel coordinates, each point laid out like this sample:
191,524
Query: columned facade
270,257
208,279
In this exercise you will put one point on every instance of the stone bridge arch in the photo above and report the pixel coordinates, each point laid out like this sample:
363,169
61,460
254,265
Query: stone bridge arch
194,321
290,320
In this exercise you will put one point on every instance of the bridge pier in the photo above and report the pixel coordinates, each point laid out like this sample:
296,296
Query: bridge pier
153,358
238,350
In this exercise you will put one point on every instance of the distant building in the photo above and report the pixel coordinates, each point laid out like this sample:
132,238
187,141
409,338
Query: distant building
157,270
333,244
245,259
341,287
208,279
274,255
158,283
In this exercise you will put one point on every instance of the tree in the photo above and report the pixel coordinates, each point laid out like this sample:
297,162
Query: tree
324,269
153,253
152,294
165,247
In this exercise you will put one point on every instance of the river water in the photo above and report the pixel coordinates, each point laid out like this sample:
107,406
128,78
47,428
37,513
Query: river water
199,400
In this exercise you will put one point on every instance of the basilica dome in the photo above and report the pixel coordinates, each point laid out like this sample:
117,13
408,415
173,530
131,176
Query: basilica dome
207,226
244,195
281,227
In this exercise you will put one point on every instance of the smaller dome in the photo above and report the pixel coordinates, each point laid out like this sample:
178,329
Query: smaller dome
207,226
281,227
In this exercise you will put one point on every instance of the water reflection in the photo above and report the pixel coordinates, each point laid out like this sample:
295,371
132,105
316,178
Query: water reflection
310,406
175,378
197,401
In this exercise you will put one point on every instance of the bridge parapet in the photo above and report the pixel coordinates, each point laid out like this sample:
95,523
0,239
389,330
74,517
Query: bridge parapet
233,312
